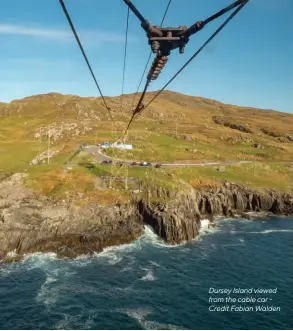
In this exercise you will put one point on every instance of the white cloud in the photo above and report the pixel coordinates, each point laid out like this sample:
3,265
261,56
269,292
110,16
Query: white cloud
34,32
59,34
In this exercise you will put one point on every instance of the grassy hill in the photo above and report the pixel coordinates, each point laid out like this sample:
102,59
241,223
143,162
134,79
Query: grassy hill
174,128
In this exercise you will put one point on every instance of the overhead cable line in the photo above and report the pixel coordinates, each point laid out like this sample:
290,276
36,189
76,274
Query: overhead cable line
124,61
148,61
140,107
83,53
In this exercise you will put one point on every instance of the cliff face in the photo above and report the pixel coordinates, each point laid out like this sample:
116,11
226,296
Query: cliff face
232,199
175,216
30,223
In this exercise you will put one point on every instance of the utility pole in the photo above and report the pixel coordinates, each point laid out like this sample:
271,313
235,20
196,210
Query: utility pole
96,137
40,140
48,152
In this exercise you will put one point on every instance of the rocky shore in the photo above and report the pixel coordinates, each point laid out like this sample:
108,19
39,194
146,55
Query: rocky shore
31,223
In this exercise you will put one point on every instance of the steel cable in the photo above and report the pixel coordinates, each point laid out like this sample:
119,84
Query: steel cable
125,54
83,53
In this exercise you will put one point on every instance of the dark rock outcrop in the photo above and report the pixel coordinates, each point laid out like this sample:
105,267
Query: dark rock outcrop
232,199
173,215
29,223
234,126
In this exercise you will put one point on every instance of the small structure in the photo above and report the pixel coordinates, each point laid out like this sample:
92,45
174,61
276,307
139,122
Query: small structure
116,144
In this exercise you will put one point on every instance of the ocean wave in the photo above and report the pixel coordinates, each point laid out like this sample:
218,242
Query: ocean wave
110,255
56,273
38,260
263,232
206,231
141,314
149,276
204,223
156,264
114,254
232,245
68,322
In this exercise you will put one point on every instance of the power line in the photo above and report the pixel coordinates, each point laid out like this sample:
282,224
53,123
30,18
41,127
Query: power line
83,53
148,60
125,53
166,11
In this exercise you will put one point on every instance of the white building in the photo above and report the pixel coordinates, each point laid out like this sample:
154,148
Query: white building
117,144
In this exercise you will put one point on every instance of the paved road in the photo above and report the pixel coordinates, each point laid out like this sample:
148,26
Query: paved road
99,156
206,164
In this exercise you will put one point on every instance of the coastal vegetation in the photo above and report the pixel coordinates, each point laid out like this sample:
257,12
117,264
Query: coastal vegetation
176,129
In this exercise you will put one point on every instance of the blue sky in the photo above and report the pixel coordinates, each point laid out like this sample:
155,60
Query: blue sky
249,63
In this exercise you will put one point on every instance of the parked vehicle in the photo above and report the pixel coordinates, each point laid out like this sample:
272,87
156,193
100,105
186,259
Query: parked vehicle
134,163
145,164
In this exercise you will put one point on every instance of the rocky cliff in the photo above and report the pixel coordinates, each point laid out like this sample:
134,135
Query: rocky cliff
31,223
175,215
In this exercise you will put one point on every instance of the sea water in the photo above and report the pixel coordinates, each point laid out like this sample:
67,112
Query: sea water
150,285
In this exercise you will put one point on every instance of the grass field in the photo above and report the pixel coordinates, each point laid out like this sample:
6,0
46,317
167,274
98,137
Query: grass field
176,128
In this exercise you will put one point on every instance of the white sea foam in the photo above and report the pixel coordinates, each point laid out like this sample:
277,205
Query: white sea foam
12,254
232,245
155,264
204,231
204,223
272,231
113,253
264,231
48,293
110,254
66,322
38,260
149,276
141,314
149,235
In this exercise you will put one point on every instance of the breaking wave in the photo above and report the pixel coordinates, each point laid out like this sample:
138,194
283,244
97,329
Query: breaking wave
140,315
149,276
150,285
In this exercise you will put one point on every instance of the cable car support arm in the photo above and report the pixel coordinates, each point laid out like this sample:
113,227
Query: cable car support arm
163,40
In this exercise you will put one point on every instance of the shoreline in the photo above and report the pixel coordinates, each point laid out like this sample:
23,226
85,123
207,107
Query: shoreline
203,232
30,223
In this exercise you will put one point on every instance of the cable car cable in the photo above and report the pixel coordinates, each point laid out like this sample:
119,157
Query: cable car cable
83,53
